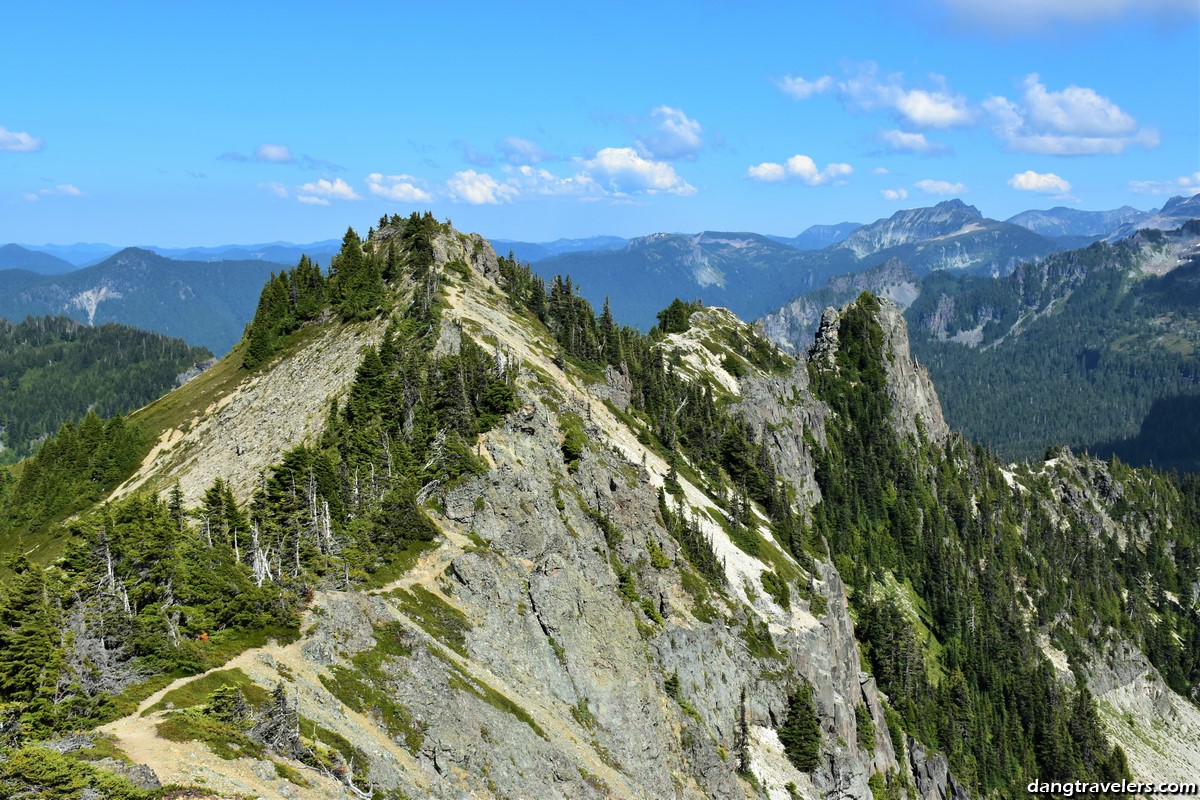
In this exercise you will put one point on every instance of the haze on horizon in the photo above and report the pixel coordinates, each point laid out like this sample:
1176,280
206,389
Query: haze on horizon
155,125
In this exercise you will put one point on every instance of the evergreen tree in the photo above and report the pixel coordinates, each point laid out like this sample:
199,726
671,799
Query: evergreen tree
801,731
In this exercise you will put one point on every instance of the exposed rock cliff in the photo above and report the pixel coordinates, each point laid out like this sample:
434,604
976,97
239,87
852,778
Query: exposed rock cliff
539,651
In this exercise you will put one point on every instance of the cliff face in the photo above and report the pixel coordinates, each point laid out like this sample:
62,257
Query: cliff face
557,642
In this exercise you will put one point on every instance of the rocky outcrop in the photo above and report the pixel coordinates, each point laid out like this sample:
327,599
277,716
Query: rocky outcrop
915,403
932,775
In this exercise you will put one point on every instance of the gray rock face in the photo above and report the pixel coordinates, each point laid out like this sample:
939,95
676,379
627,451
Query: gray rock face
785,411
914,400
139,775
932,774
825,343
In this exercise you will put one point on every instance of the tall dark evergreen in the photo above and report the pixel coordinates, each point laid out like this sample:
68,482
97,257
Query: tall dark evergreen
800,733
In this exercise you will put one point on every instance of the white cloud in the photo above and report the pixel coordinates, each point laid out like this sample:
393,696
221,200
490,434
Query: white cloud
1028,15
479,188
940,187
522,151
1074,110
277,189
801,168
273,153
62,189
18,141
881,171
1046,183
678,135
895,194
930,109
938,107
621,170
1186,185
1075,121
403,188
802,89
337,189
309,199
768,171
535,180
905,141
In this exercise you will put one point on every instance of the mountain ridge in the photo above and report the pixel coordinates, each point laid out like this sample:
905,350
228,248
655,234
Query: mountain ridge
681,565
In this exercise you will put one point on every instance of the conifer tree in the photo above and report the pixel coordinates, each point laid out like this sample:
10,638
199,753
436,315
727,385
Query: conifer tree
801,731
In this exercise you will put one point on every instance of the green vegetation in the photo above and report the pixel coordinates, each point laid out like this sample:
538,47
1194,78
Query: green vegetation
54,369
71,470
905,513
199,691
50,775
801,730
171,591
1080,349
864,728
438,618
365,686
676,318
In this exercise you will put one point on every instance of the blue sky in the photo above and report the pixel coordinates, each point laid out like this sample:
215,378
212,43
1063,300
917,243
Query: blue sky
164,124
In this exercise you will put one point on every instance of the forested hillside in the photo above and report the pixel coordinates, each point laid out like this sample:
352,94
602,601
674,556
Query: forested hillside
54,369
677,562
1076,350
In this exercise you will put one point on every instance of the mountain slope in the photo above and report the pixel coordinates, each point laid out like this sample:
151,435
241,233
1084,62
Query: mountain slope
1174,213
750,274
205,304
1063,221
55,369
13,256
817,237
795,324
742,271
1073,350
529,552
950,235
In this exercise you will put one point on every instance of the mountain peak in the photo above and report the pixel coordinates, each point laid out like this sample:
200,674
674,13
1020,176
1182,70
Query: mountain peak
910,225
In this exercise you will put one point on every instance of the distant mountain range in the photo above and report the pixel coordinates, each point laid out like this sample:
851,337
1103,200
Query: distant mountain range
76,256
13,256
1094,347
191,293
750,273
1063,221
203,303
535,251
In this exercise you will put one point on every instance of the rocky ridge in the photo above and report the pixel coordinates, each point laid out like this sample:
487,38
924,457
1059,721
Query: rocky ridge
581,669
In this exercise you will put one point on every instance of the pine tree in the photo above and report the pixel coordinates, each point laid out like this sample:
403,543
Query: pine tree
801,731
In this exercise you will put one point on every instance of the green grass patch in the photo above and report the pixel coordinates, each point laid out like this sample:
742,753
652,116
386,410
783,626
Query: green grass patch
223,739
698,588
918,615
438,618
221,647
196,693
291,775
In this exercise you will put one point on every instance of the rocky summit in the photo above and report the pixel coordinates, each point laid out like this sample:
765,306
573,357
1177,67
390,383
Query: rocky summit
441,531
